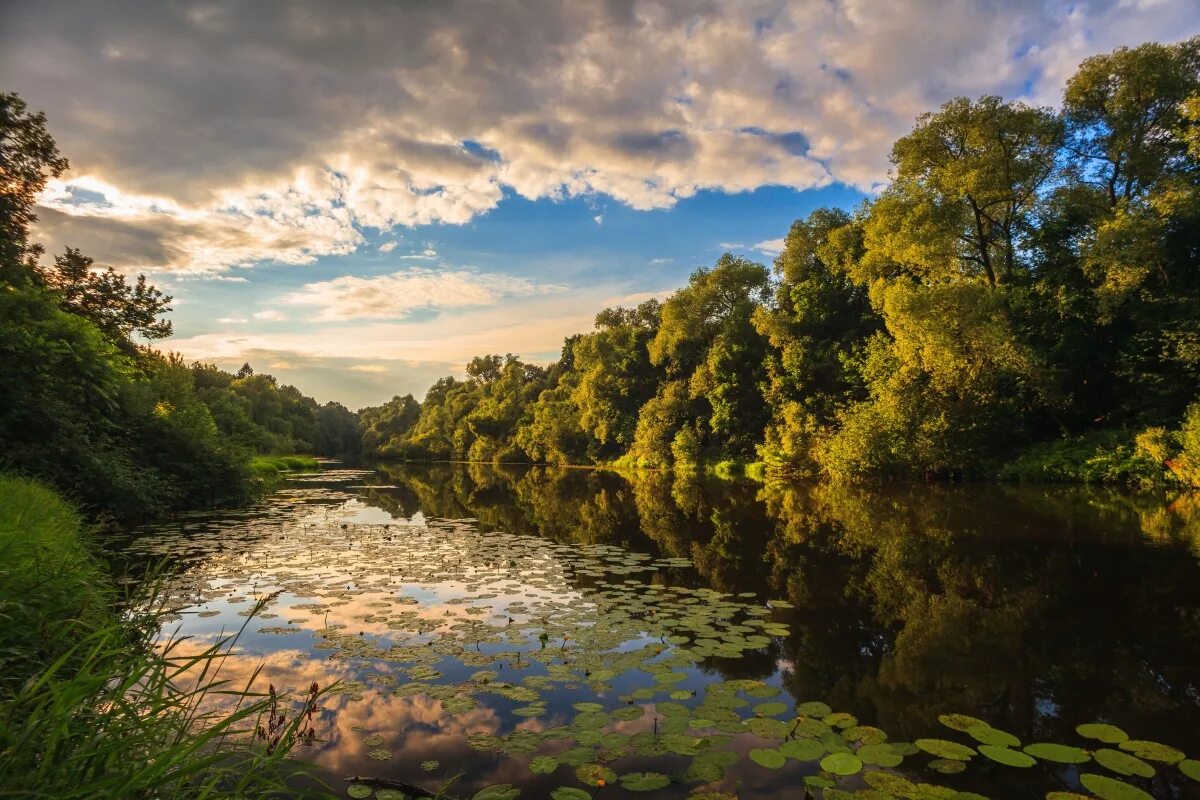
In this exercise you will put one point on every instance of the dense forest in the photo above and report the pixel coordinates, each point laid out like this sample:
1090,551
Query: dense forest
89,405
1022,300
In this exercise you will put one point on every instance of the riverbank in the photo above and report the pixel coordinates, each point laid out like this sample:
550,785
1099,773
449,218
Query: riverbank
92,703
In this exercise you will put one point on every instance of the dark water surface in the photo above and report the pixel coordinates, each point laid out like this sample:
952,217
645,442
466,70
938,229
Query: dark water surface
699,631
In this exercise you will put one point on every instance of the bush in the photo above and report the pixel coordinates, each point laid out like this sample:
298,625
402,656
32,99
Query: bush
1116,457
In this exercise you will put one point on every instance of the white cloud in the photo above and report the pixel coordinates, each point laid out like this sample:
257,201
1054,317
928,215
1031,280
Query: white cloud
771,247
402,114
599,219
388,247
270,315
231,320
397,295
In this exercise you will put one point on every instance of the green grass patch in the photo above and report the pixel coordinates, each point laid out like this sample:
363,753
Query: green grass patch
273,466
92,704
1109,457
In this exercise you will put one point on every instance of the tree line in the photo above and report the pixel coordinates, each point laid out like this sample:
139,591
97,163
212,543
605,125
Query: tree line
88,405
1021,300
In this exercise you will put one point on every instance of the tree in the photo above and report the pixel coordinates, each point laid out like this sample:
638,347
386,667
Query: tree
28,159
107,299
966,184
1125,111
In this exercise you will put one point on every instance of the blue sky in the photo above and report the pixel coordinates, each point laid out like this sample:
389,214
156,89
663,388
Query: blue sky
360,197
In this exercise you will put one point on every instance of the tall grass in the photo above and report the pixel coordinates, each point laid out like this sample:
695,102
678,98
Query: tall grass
268,467
94,705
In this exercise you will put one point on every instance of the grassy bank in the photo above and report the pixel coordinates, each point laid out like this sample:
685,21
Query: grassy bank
271,467
91,703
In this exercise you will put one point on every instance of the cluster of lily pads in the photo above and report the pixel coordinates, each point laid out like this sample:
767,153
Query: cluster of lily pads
397,606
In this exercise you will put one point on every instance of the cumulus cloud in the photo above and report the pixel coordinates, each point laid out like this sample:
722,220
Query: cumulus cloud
270,315
771,247
397,295
205,135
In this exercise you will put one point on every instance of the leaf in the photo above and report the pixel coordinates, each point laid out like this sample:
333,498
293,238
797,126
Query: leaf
770,709
644,781
1111,789
543,765
986,734
594,774
1109,734
358,790
497,791
945,749
766,757
1058,753
1123,763
842,763
802,749
1191,768
1003,755
569,793
1152,751
881,755
960,722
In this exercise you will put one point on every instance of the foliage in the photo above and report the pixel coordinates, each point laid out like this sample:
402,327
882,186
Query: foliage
90,704
125,430
1022,291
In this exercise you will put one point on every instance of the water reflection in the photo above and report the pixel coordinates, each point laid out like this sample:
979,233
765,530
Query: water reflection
1035,609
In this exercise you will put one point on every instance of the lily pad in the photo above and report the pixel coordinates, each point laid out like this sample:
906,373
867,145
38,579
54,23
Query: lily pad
1123,763
1007,757
802,749
1191,768
947,766
569,793
881,755
595,775
842,764
945,749
1152,751
1058,753
986,734
644,781
1102,732
1111,789
960,722
358,790
543,765
767,757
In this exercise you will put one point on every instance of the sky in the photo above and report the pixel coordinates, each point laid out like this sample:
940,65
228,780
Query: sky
357,197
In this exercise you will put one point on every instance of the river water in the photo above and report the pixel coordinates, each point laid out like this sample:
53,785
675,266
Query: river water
664,636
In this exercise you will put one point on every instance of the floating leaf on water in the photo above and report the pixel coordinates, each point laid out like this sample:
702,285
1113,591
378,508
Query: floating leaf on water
947,766
1109,734
864,734
569,793
945,749
701,794
770,709
1068,796
1152,751
840,719
890,783
543,765
1058,753
1111,789
644,781
842,764
814,708
358,790
595,774
880,755
817,782
802,749
986,734
1122,763
767,757
390,794
374,740
429,766
1191,768
961,722
1007,757
382,754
